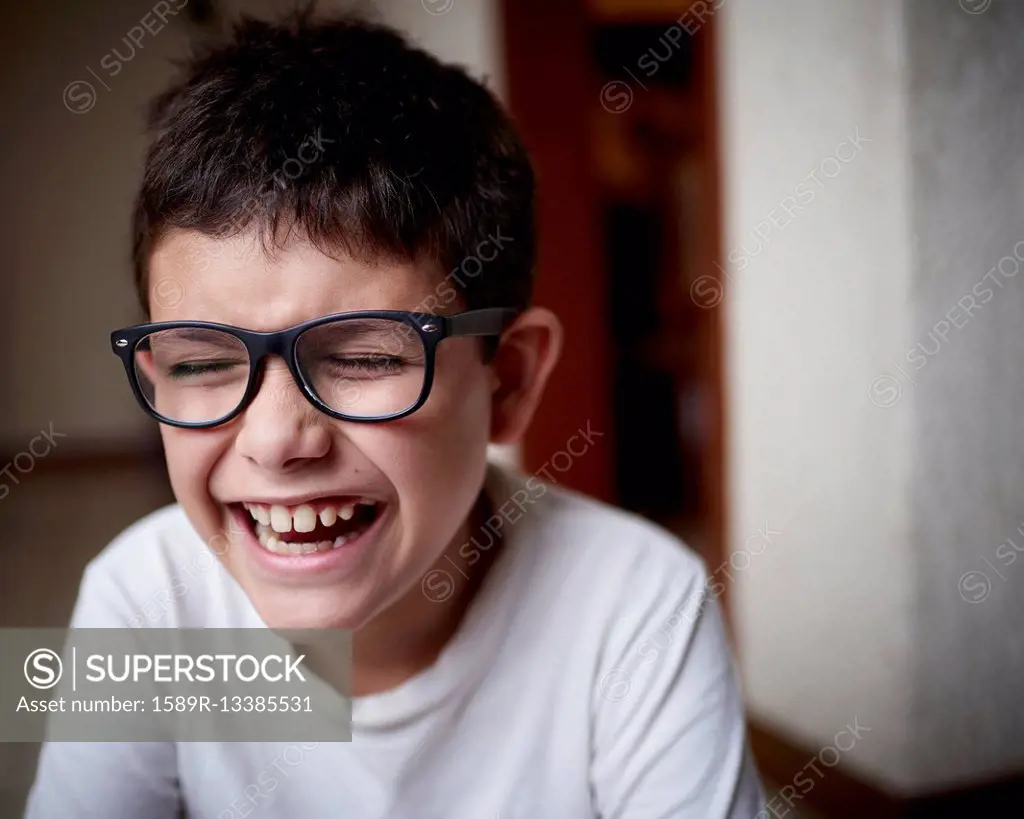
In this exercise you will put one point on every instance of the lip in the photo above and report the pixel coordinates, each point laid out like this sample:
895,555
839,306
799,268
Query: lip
319,565
313,499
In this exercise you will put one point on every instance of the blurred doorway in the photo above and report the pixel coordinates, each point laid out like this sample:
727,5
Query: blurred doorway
616,100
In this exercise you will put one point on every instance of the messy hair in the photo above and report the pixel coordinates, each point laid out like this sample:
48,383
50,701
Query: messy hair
340,130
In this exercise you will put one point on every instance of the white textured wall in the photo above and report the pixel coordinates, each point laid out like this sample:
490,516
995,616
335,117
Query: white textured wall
967,126
893,591
815,309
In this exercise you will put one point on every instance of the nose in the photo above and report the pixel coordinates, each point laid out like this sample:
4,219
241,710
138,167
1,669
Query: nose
280,431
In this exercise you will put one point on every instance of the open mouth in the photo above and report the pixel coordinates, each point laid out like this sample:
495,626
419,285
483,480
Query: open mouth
317,526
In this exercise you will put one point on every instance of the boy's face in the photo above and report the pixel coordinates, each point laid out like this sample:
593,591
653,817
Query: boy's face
423,472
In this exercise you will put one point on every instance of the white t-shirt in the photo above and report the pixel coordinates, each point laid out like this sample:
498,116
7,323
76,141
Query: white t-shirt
590,678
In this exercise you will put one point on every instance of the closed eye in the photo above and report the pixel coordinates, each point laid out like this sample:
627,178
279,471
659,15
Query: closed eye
370,364
191,369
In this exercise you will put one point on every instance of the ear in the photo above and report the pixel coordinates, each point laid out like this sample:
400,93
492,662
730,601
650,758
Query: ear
529,349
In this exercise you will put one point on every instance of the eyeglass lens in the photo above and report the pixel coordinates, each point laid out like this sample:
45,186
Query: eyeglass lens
362,368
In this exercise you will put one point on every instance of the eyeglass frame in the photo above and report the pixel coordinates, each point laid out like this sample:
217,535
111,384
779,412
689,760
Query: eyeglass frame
431,328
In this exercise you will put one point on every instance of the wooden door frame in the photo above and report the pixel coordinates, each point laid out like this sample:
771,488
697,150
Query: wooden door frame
552,86
546,48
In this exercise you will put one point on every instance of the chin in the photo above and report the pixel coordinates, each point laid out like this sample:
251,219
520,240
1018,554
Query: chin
308,609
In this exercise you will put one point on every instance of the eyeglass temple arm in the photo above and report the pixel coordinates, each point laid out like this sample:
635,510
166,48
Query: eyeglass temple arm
487,322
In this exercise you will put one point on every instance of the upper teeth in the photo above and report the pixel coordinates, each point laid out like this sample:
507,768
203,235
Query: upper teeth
301,518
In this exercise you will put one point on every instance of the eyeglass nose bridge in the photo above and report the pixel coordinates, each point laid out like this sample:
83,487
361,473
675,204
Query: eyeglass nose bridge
262,346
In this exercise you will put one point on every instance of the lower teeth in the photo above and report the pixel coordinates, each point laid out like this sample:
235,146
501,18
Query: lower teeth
269,541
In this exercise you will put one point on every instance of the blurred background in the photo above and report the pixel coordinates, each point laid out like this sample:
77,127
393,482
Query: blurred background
784,237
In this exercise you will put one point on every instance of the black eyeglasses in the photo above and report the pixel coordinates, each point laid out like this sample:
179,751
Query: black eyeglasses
368,366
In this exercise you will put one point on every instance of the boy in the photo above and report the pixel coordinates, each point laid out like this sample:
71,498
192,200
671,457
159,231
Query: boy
519,651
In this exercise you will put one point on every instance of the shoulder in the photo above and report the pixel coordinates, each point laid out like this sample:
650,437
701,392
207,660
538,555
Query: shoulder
630,607
599,539
157,573
642,645
617,567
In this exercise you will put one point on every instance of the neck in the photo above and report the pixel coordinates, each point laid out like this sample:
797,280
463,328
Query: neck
410,634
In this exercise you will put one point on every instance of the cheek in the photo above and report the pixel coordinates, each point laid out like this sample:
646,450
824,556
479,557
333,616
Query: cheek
461,394
191,456
436,457
458,411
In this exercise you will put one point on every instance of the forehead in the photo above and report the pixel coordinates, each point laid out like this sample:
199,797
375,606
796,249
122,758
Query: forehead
237,281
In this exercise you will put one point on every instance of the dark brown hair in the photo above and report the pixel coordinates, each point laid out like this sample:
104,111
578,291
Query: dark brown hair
340,129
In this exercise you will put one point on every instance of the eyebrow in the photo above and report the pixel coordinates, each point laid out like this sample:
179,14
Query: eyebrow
335,331
202,335
332,331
